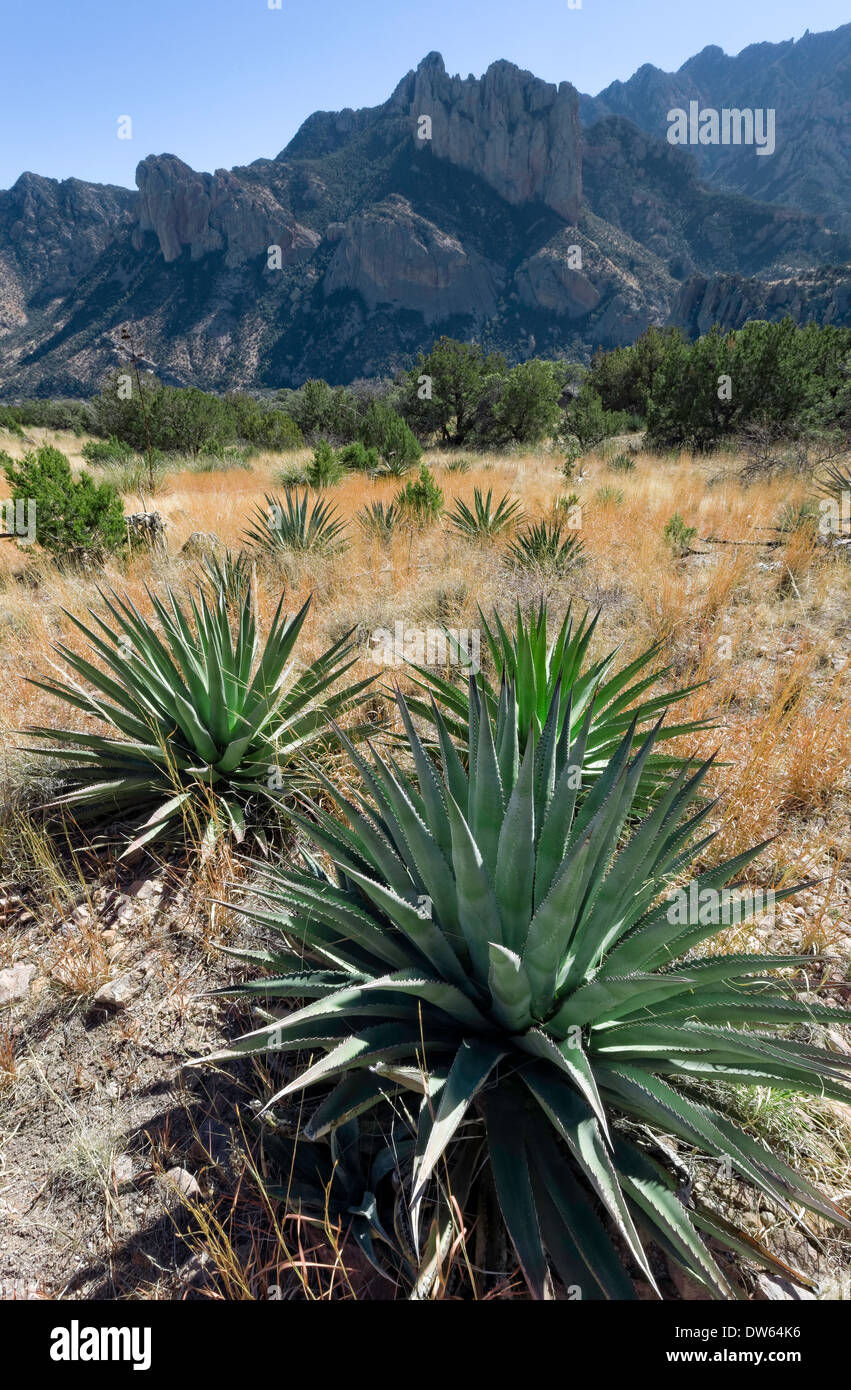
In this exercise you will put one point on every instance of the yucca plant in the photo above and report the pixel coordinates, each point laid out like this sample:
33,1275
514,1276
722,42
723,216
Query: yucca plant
380,520
489,954
544,545
485,520
290,524
544,669
212,729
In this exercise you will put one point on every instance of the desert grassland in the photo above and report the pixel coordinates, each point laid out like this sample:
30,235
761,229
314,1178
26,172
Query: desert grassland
766,631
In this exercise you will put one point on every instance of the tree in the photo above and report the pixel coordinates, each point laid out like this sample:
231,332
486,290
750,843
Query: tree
441,394
529,407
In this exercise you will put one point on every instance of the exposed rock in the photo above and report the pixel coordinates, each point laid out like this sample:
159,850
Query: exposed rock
390,255
183,1181
215,212
731,300
200,543
518,133
548,281
117,994
771,1288
15,982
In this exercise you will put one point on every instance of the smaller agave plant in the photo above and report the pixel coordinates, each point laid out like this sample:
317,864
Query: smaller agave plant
544,546
289,523
208,724
543,670
485,519
492,957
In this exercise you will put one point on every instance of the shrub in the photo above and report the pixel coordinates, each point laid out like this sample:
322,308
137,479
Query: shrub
210,732
588,422
543,545
76,519
324,469
421,499
487,951
292,525
621,463
678,536
106,451
382,429
359,457
485,520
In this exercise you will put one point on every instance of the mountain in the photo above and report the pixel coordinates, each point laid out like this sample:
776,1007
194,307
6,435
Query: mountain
808,85
473,206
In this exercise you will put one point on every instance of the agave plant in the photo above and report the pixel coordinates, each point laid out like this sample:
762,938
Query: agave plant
836,482
210,727
379,521
543,545
229,574
542,671
485,520
290,524
490,946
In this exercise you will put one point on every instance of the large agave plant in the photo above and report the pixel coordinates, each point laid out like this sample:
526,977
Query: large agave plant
491,947
208,724
544,670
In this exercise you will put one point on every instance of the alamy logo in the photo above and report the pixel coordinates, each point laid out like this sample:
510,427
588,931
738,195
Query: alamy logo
693,906
730,126
76,1343
17,518
427,646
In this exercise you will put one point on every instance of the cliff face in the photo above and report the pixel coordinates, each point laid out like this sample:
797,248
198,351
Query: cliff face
214,212
519,134
508,223
821,296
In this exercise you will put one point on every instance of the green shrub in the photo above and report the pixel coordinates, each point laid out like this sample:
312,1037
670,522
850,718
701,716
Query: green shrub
421,499
106,451
76,519
621,463
678,536
382,429
499,955
324,469
359,457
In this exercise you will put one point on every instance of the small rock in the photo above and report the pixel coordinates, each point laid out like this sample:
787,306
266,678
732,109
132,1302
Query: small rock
183,1180
771,1288
15,982
109,937
200,543
122,1170
117,994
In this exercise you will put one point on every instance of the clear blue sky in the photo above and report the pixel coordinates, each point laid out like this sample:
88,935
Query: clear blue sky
223,82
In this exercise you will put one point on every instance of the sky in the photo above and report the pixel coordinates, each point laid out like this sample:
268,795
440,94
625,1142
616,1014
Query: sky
224,82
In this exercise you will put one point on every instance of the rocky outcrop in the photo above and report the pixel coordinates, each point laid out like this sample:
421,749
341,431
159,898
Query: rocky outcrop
822,296
214,212
518,133
51,234
806,82
552,280
389,255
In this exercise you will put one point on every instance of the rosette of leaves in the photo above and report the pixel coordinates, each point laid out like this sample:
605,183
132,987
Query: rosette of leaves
290,523
544,669
211,726
491,954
